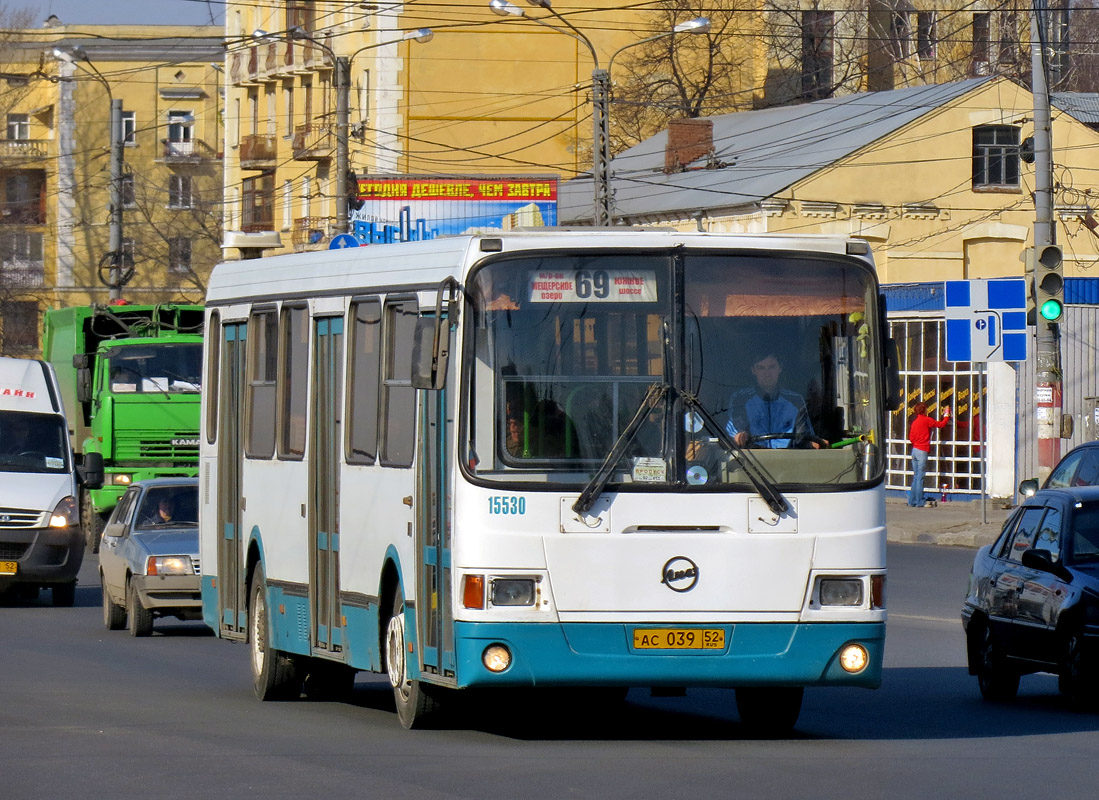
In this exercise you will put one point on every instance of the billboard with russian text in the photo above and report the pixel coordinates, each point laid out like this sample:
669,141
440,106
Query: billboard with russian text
408,208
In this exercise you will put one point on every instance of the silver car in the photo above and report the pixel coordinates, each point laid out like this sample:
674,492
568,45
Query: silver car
148,556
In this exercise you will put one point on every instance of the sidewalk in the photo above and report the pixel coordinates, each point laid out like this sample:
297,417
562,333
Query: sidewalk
950,523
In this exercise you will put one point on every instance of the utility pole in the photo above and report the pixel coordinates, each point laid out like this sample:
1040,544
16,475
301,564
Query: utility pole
343,90
1047,375
115,243
601,145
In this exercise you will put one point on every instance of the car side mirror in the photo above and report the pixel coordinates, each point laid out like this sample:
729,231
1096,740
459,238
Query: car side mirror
1042,560
1028,488
91,473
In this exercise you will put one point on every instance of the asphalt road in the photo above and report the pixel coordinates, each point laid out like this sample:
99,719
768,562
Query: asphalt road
89,713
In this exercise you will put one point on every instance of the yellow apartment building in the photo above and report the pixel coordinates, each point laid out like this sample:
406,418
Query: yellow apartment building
55,166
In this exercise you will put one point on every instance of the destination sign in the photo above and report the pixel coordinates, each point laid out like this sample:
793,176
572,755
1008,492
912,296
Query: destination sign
593,286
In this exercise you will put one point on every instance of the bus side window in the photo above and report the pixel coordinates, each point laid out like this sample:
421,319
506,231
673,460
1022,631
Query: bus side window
398,397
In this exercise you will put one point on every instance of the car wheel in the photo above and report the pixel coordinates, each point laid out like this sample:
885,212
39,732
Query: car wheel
414,704
141,618
769,711
114,615
63,594
274,673
1076,680
90,522
996,681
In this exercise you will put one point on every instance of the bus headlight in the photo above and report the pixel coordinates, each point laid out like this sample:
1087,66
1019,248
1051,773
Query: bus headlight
840,592
854,658
496,658
513,592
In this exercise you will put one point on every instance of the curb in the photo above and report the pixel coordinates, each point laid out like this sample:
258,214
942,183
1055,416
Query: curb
969,537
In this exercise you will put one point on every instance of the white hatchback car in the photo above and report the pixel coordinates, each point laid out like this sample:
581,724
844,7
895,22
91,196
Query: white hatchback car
148,556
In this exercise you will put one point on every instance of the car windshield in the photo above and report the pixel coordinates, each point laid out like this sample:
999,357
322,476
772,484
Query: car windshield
33,442
165,506
1085,533
160,368
566,348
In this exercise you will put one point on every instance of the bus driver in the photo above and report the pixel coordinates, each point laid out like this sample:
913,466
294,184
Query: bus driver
758,414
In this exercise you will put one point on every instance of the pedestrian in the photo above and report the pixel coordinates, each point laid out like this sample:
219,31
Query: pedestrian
919,436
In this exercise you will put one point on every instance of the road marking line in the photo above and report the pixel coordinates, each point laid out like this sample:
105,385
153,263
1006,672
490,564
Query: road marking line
923,618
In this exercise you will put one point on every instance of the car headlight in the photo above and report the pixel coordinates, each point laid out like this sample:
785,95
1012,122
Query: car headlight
66,514
840,592
169,565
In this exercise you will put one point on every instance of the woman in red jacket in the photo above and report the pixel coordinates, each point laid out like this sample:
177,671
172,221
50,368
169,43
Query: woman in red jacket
919,436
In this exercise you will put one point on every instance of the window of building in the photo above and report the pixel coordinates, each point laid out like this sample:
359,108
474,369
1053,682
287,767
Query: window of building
288,106
258,203
180,191
287,204
996,157
263,338
982,42
19,127
398,396
293,382
129,128
1009,37
19,326
366,346
127,190
21,262
900,34
926,36
179,255
272,110
24,198
817,45
306,193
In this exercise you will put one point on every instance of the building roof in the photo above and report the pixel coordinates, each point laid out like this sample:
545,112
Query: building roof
1084,106
758,153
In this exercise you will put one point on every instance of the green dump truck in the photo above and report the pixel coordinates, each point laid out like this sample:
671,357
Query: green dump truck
130,377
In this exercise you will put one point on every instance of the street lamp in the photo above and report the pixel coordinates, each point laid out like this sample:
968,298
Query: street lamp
342,85
74,56
601,91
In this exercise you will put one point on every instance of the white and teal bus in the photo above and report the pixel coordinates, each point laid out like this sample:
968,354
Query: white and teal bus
513,461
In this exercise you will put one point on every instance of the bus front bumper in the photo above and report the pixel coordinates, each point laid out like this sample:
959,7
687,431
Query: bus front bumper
603,654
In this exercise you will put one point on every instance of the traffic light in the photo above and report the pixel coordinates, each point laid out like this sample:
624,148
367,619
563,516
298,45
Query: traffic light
1049,282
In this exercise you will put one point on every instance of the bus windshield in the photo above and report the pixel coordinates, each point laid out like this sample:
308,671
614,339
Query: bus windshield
160,368
772,353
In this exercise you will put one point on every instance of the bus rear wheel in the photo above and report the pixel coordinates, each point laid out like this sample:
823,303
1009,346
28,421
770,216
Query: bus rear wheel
274,673
414,704
769,711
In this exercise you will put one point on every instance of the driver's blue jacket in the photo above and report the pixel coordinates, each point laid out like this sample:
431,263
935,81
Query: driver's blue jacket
762,414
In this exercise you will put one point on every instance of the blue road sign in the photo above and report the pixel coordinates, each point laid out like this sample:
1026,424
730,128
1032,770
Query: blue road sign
986,320
342,241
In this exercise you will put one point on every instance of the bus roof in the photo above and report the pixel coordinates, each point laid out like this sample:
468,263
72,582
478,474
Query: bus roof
423,264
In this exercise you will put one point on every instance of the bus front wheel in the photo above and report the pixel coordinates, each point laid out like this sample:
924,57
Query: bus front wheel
414,705
274,674
769,711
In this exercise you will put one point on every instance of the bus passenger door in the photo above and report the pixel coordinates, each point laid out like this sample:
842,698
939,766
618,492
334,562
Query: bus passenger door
232,595
324,479
433,533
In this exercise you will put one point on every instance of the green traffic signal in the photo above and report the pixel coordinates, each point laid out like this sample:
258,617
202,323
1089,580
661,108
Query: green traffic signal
1051,310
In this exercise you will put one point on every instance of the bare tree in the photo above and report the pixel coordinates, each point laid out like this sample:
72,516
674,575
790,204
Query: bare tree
683,76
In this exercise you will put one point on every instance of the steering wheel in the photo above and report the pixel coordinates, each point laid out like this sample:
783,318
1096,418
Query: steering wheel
769,437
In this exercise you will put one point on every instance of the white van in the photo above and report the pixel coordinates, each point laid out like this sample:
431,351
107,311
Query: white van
41,544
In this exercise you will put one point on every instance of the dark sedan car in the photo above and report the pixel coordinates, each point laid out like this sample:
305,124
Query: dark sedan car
1079,467
1033,598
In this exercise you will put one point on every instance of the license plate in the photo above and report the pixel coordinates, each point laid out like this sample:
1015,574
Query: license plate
9,567
679,638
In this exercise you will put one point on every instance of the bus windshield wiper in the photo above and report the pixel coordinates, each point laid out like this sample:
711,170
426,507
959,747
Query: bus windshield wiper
763,483
599,481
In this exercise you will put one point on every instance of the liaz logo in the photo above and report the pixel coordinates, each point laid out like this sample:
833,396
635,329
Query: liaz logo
679,574
184,442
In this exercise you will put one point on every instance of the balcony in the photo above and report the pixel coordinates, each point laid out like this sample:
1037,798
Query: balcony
24,148
244,67
258,151
316,58
310,233
189,152
313,143
268,58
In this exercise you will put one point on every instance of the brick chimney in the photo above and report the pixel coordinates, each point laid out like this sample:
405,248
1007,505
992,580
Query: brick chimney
688,140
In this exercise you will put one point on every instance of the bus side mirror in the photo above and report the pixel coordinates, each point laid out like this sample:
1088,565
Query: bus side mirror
91,474
430,353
